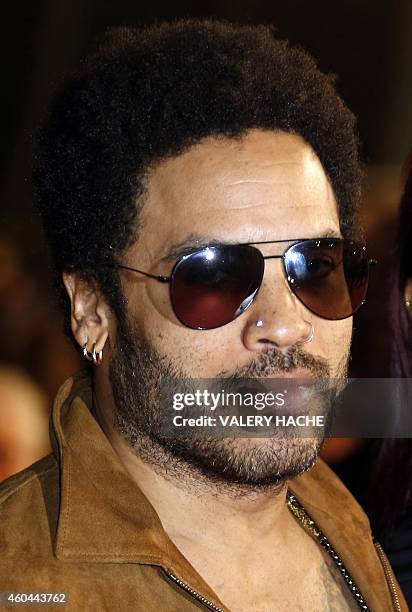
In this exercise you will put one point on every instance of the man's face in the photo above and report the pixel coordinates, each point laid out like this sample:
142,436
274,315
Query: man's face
265,187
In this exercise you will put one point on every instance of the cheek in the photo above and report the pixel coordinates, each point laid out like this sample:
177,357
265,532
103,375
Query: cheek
334,340
154,298
148,304
201,354
198,353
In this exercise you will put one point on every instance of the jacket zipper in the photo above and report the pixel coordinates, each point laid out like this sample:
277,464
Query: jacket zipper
194,593
389,577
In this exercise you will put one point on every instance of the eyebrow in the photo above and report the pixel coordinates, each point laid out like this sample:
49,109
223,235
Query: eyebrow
196,242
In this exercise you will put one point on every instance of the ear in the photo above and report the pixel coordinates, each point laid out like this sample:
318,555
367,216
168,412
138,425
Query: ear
90,313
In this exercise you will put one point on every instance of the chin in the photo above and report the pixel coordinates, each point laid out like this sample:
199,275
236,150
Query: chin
254,462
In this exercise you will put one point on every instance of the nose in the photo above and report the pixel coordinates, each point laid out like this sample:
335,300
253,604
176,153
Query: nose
276,318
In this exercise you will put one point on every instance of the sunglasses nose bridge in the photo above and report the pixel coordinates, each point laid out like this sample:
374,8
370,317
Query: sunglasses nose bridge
284,320
275,274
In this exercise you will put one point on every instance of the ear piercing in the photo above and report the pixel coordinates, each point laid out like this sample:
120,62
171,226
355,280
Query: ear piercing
312,333
95,357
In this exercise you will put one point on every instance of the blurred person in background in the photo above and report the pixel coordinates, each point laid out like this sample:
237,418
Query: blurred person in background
24,422
34,358
31,333
389,496
379,471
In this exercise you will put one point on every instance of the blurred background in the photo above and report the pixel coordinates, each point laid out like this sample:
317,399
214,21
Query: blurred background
366,43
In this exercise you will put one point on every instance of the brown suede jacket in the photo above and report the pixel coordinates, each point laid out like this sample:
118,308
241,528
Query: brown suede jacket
76,523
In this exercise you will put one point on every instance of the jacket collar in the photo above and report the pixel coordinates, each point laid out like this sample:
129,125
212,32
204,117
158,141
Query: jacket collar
103,515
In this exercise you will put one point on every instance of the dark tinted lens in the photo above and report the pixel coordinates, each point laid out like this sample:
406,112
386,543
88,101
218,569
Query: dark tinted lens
213,286
329,276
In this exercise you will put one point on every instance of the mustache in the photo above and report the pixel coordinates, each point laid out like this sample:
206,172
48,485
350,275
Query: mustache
274,361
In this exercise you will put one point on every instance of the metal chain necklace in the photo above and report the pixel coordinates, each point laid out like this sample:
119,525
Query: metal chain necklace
312,528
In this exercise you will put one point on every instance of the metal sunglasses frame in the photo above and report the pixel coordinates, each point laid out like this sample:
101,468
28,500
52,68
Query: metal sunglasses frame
295,241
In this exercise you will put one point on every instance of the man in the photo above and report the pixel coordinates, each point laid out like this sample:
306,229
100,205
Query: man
172,164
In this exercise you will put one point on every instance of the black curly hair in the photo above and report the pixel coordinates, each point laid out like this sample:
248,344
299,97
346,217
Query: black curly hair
148,93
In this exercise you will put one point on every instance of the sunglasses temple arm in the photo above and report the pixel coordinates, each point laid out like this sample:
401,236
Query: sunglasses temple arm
161,279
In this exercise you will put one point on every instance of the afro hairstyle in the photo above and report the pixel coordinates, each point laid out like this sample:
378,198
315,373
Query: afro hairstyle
148,93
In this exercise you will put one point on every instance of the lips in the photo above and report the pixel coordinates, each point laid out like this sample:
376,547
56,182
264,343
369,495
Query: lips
299,394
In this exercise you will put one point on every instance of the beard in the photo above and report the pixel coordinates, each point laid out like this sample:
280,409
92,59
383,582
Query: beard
235,466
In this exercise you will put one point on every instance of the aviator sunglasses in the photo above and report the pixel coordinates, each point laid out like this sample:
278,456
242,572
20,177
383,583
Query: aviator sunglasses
214,284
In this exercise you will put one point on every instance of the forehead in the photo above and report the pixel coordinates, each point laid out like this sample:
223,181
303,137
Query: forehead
264,186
